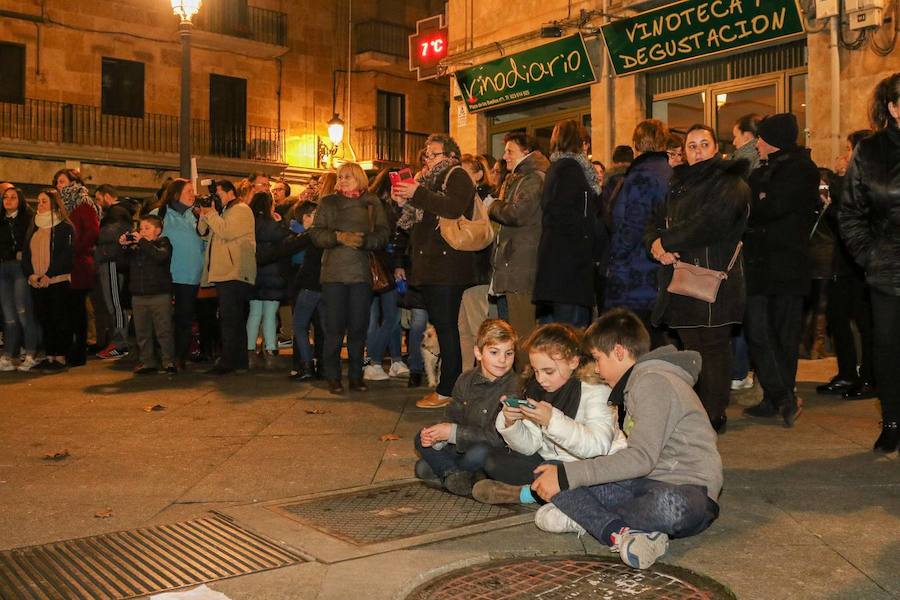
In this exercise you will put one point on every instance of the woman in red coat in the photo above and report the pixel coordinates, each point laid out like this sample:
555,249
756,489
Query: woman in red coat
85,218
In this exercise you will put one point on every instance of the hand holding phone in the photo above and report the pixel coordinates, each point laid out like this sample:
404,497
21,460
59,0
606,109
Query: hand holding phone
513,401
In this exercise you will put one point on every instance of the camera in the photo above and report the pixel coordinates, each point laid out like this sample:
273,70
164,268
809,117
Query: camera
130,237
210,198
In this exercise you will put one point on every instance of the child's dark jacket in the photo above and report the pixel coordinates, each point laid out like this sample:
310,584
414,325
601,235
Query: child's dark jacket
148,264
474,408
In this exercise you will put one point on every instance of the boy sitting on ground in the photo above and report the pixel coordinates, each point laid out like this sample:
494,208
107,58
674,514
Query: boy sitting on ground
148,256
454,451
666,482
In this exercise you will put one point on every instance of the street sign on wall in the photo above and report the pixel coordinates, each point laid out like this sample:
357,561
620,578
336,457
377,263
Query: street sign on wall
697,28
546,69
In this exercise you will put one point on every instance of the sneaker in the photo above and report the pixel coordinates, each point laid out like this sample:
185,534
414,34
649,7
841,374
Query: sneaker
459,483
742,384
490,491
640,549
112,351
398,369
289,343
27,363
375,373
551,519
6,364
142,370
433,400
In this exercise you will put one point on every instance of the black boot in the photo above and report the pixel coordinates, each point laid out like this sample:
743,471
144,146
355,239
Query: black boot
837,386
889,439
306,372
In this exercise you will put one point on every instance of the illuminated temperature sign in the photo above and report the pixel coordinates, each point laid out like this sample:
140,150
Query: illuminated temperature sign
428,47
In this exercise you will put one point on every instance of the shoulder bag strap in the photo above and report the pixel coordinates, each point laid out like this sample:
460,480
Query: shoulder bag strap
734,257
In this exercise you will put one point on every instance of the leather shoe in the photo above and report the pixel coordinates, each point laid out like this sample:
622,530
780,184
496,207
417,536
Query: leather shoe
835,387
415,380
861,390
357,385
763,410
790,412
335,387
889,439
433,400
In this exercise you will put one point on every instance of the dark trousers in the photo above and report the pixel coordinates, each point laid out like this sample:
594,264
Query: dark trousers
848,300
772,327
208,327
508,466
442,303
714,384
573,314
886,318
185,297
449,459
234,302
644,504
53,308
77,354
345,310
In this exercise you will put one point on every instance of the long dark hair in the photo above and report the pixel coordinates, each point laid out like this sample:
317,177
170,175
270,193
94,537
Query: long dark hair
173,191
261,205
887,91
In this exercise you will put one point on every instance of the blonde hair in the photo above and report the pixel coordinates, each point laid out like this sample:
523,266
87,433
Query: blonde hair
556,340
326,184
493,332
362,182
244,187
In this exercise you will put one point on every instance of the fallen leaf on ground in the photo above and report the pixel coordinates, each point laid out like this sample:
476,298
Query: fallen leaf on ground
154,408
315,411
61,455
104,514
407,510
389,437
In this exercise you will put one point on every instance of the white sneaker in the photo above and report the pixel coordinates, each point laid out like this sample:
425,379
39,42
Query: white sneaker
398,369
6,364
640,549
742,384
551,519
27,363
375,373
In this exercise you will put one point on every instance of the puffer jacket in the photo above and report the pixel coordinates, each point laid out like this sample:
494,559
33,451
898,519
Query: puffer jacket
631,273
593,432
784,196
703,220
518,210
474,407
231,248
148,264
271,280
870,212
337,212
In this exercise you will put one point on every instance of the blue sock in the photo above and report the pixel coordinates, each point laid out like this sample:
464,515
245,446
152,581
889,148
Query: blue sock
525,496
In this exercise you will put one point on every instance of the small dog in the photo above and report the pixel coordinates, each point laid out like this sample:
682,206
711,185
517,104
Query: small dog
431,355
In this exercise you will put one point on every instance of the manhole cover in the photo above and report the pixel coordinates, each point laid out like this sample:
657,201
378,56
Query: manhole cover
391,513
564,578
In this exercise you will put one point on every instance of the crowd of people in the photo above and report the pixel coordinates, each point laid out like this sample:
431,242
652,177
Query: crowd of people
735,261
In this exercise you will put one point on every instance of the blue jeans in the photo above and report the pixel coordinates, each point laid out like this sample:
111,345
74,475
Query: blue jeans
18,311
304,308
644,504
345,309
448,460
384,317
266,312
417,325
573,314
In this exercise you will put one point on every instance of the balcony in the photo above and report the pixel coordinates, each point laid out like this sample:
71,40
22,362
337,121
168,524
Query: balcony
390,146
59,123
248,22
380,44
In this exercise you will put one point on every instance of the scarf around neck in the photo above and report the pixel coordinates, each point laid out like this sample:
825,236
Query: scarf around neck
567,398
433,182
74,195
590,173
45,220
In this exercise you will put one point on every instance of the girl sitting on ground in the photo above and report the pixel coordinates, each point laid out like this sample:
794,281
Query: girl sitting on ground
566,418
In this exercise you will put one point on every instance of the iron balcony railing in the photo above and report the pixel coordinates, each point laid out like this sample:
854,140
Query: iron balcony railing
62,123
386,38
250,22
390,145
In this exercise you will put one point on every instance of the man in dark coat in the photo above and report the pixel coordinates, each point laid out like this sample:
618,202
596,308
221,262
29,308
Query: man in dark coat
782,213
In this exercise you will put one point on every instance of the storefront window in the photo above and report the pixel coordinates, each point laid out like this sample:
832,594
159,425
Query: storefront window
798,104
681,112
732,105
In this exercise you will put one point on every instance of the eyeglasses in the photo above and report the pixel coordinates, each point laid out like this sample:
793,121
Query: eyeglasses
430,155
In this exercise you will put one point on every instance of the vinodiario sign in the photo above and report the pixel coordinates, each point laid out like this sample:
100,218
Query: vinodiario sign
546,69
696,28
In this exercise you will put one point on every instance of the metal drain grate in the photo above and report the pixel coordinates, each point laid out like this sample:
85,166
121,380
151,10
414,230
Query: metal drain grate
562,578
134,563
391,513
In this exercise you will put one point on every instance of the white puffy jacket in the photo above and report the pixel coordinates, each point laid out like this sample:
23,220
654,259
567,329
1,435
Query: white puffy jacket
594,431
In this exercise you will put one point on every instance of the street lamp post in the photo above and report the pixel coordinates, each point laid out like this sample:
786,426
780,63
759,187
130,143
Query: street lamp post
185,10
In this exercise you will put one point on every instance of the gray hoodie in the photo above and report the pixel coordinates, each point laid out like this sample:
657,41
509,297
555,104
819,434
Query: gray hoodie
669,435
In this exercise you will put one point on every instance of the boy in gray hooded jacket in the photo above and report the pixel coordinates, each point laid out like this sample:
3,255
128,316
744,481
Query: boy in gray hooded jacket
666,482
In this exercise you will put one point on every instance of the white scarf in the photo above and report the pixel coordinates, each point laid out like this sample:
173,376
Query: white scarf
45,220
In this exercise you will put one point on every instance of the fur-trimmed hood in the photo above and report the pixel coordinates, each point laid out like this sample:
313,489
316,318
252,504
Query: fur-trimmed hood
590,174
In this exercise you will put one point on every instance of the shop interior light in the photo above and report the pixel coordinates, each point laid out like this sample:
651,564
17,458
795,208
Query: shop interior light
336,129
721,99
185,9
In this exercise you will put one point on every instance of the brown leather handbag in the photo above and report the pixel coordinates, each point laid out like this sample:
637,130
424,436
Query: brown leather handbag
468,235
380,275
699,282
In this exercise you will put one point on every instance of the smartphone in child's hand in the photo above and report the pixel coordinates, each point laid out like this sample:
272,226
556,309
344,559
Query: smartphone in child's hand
516,402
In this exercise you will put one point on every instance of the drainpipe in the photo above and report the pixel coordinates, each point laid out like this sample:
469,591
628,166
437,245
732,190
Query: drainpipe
834,50
607,90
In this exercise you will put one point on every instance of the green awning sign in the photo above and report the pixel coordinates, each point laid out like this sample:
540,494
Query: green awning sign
697,28
545,69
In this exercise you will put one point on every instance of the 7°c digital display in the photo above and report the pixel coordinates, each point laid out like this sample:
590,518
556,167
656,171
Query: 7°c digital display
430,48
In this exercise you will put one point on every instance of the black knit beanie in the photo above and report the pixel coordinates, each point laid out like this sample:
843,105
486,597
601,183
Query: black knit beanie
779,131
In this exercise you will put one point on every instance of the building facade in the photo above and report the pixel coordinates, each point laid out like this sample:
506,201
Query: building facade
822,73
97,86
